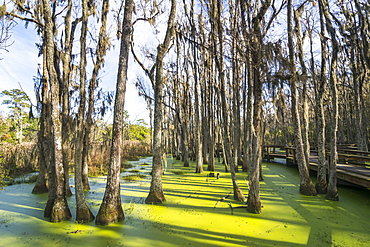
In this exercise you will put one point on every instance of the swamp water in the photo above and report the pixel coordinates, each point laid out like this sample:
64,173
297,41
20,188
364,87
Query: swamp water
194,214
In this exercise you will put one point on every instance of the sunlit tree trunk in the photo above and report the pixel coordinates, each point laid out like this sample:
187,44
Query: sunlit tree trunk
66,123
43,137
197,121
211,127
102,46
320,83
110,210
304,81
236,100
254,200
83,213
156,194
248,87
56,207
227,124
332,193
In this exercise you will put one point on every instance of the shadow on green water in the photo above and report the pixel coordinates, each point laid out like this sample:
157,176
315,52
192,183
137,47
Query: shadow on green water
195,215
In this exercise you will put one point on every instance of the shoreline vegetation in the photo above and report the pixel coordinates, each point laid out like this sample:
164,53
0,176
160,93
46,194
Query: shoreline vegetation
198,212
17,161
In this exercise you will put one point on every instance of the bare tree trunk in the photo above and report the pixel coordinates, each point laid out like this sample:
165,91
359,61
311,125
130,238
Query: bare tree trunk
102,46
110,210
81,121
306,185
66,60
332,193
365,56
211,114
83,213
41,185
321,184
156,194
216,14
57,207
254,200
197,121
236,123
248,102
358,81
305,120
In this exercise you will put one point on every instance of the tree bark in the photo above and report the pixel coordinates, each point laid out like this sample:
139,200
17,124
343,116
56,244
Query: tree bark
197,121
321,184
110,210
83,213
332,193
43,141
156,194
57,207
66,60
248,102
304,96
306,185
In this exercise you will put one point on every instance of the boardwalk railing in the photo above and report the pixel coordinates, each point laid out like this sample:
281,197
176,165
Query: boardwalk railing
281,152
353,165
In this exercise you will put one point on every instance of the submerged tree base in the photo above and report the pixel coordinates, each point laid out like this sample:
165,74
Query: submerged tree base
308,189
332,196
255,208
84,215
60,211
109,214
321,188
238,195
40,189
155,198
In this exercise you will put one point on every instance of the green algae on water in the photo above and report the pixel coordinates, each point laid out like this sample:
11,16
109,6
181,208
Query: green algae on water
194,214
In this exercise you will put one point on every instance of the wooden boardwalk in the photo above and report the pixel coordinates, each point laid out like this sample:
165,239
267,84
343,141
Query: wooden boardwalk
353,165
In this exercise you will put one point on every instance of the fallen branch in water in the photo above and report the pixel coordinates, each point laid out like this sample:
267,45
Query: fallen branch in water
74,232
222,199
232,208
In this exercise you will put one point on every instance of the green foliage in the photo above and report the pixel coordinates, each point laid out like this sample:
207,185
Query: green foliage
18,102
19,125
10,130
138,131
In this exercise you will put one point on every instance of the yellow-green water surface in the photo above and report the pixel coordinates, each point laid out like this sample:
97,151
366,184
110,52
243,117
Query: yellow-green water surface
194,215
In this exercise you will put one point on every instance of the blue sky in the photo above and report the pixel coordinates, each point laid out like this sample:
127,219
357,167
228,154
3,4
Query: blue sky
20,64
